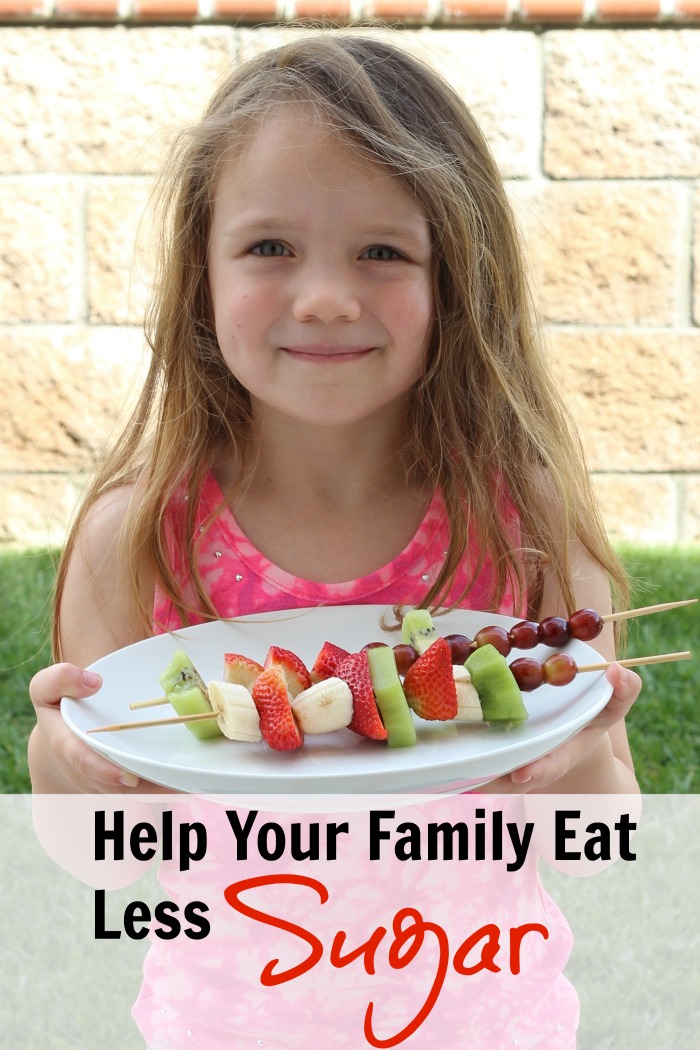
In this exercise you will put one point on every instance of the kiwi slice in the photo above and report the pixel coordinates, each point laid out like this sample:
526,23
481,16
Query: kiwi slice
187,692
501,699
180,674
418,630
391,701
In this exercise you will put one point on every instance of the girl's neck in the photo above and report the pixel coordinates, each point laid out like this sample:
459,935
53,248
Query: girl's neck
334,467
327,504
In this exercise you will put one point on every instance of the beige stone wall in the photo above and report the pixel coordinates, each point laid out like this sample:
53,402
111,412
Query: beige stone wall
596,131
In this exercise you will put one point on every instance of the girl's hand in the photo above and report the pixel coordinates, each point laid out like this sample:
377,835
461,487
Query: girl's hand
58,761
585,763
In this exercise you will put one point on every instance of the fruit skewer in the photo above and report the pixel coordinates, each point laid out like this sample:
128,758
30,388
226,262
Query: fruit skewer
584,625
561,669
558,670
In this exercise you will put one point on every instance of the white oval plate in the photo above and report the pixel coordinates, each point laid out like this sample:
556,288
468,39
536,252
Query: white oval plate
448,756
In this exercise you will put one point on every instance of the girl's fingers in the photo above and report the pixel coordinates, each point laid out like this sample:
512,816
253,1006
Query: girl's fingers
48,686
626,688
54,745
96,771
60,762
547,770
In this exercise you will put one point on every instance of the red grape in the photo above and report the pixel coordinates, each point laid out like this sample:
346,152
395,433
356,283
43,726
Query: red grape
496,637
554,631
524,635
460,647
585,624
372,645
406,656
528,673
559,669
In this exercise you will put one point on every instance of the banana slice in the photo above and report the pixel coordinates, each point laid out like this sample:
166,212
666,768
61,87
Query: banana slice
324,707
468,703
238,718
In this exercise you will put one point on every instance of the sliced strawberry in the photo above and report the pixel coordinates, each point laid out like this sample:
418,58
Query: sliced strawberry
295,672
429,684
327,662
277,724
241,670
354,670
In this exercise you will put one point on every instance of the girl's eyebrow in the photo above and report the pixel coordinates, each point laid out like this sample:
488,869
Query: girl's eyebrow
256,224
411,230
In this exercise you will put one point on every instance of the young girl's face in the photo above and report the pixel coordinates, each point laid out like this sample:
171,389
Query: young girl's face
320,275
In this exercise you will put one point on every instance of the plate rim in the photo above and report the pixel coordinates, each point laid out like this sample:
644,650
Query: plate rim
315,779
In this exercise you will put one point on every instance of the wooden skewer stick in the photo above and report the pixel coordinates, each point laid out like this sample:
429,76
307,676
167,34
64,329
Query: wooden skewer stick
610,618
148,703
176,721
206,715
665,658
648,609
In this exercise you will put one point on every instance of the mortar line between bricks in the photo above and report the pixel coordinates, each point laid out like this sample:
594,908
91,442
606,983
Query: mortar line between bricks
81,262
37,177
680,489
684,252
78,326
617,328
694,263
38,473
514,22
234,46
542,67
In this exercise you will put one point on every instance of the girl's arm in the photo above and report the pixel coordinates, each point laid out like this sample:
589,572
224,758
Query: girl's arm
96,617
597,759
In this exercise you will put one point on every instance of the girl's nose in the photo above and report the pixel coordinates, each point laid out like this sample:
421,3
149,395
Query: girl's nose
324,294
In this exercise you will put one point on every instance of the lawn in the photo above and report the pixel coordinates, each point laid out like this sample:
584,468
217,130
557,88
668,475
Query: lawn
664,727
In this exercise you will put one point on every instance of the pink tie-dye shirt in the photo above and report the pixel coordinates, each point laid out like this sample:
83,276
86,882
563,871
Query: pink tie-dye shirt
207,995
240,580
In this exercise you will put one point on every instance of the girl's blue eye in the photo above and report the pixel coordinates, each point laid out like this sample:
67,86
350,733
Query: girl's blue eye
269,249
382,253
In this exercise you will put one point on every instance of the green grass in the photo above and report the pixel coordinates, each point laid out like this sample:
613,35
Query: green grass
664,727
26,581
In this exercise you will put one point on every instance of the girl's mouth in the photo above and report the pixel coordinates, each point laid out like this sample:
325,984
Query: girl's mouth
319,353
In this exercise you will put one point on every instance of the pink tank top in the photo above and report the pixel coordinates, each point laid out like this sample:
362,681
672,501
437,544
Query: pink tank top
206,995
240,580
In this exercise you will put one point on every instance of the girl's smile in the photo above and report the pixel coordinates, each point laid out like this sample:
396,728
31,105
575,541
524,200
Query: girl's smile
319,258
319,353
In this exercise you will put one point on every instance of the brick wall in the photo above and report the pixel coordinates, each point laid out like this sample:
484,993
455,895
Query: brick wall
595,124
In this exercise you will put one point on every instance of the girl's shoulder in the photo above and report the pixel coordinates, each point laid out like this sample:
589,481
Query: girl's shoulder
105,517
100,531
97,613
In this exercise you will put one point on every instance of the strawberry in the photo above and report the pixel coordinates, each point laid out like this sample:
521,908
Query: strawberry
241,670
429,684
277,725
354,670
296,675
327,662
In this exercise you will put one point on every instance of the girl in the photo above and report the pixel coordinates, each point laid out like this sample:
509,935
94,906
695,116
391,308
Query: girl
346,401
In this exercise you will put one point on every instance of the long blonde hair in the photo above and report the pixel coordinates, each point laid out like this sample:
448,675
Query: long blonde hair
485,417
